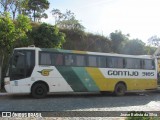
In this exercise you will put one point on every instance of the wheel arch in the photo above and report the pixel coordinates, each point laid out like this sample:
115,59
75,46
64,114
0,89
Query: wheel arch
122,82
40,82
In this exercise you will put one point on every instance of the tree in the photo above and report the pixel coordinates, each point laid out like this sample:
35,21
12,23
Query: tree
66,20
5,5
22,26
117,39
134,47
150,50
16,6
7,37
10,32
47,36
97,43
154,40
71,24
58,15
38,7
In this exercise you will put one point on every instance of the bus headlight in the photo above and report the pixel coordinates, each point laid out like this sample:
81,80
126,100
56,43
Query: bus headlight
6,80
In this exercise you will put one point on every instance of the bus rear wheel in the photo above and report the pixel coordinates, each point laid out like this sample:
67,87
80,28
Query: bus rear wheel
120,89
39,90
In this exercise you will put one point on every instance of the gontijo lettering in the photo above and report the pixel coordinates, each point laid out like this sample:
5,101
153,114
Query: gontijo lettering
123,73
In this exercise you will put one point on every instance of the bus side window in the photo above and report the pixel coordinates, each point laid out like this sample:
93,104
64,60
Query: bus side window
80,60
109,62
124,63
119,62
102,62
57,59
44,58
153,64
92,61
149,64
142,64
114,62
133,63
70,59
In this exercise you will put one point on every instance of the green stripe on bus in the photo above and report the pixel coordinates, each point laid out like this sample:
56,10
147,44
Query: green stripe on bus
86,79
72,79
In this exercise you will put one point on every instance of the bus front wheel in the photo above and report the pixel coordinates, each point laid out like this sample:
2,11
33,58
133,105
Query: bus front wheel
120,89
39,90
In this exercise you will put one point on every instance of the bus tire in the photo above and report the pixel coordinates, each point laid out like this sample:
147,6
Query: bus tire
39,90
120,89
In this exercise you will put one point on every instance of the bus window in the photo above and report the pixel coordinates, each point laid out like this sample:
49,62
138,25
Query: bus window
70,59
17,70
102,62
22,64
92,61
148,64
45,58
57,59
30,62
119,62
132,63
80,60
114,62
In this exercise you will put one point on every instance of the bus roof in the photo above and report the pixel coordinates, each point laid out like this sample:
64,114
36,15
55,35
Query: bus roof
84,52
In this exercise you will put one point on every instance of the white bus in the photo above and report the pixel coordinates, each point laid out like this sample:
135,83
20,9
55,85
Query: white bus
38,71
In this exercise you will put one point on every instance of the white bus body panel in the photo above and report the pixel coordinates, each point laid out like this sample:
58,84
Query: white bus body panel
54,80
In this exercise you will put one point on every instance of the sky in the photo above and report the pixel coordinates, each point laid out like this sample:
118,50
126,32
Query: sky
139,18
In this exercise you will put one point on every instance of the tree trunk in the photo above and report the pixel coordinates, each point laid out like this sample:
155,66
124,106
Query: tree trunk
1,66
34,15
14,14
0,71
6,6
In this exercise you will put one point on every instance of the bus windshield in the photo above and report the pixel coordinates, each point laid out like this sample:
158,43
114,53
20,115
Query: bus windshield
21,64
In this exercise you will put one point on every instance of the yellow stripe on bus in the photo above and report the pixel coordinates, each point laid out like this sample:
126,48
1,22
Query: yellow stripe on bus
79,52
97,76
108,84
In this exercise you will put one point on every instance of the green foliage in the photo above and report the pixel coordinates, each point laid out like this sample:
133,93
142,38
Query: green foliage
38,7
7,37
58,15
23,25
74,39
154,40
70,24
134,47
14,6
79,40
66,20
118,39
7,32
12,35
97,43
12,32
150,50
47,36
